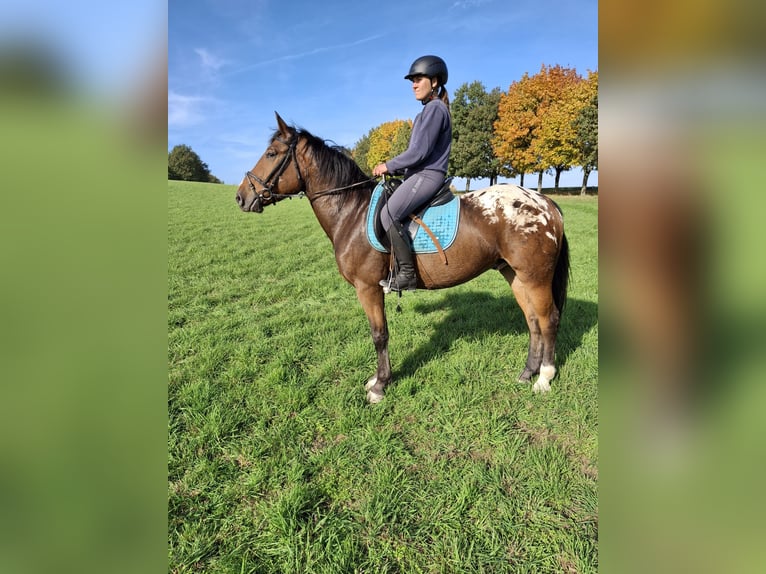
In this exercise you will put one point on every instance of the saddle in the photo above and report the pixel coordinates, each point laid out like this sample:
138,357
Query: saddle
437,220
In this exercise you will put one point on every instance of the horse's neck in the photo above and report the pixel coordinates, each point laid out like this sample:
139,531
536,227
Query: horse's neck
332,219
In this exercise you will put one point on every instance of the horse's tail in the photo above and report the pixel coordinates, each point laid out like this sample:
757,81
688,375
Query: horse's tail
561,276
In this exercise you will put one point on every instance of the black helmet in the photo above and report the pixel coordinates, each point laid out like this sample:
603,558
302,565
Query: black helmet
431,66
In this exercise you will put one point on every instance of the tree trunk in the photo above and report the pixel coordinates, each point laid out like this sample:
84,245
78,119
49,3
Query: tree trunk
584,188
540,182
522,180
558,175
467,184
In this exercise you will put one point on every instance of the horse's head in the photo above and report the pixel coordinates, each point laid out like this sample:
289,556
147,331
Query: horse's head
273,178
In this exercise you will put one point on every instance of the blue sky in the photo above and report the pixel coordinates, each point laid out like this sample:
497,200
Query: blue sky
336,68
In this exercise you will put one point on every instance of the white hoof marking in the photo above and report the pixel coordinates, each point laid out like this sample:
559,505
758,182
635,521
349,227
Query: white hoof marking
543,384
373,397
370,382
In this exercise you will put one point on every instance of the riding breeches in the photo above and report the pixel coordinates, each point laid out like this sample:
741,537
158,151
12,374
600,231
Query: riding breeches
414,192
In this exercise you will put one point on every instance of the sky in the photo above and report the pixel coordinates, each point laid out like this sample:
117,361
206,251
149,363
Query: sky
337,68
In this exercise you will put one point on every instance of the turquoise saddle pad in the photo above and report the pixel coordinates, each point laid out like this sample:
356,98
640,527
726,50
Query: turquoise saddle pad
441,220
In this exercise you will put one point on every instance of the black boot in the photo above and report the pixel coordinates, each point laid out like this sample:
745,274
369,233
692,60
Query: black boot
404,279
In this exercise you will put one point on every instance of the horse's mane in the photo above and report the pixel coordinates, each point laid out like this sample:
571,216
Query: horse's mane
337,166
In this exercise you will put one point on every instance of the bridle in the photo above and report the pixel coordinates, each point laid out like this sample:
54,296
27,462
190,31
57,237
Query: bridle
266,195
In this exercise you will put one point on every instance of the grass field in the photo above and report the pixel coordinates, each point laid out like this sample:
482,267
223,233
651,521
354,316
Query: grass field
278,465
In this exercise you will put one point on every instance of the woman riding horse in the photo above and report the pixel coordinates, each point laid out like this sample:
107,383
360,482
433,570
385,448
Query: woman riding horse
424,164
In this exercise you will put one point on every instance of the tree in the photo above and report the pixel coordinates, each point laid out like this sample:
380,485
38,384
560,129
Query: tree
514,129
586,128
401,139
474,111
186,165
560,102
360,151
535,126
386,141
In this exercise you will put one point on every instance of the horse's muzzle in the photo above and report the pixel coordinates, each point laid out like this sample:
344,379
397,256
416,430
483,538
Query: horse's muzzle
252,205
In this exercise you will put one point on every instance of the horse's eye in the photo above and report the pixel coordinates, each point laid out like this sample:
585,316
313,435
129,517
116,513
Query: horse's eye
271,154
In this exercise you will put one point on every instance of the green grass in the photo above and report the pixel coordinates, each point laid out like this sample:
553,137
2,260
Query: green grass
278,465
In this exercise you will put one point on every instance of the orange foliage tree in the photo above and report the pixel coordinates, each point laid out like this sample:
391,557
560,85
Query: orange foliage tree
514,129
535,130
556,141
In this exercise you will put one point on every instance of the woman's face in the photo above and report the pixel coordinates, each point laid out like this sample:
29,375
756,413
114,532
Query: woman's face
423,86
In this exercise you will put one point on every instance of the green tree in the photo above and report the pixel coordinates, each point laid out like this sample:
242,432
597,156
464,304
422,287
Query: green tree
586,128
185,164
474,112
360,151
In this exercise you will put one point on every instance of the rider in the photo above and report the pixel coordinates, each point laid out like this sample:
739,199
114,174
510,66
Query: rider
424,164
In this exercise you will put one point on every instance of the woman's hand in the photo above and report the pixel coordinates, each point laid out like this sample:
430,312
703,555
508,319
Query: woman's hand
379,169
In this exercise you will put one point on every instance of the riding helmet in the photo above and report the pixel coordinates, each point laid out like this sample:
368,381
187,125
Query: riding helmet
431,66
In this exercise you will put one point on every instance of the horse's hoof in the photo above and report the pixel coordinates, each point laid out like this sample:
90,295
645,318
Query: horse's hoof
526,376
373,397
370,383
543,387
543,384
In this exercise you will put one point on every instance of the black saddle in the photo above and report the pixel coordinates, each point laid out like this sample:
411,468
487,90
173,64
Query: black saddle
390,185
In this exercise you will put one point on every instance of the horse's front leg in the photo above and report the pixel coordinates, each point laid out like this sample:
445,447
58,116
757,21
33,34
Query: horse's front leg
372,299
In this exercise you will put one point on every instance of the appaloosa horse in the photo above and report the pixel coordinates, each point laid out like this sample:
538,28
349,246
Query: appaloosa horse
505,227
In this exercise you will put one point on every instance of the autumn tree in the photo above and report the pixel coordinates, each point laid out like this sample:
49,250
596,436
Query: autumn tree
535,129
385,141
560,102
474,111
515,128
586,128
401,140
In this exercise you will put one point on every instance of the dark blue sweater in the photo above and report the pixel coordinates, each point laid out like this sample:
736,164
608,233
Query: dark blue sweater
430,141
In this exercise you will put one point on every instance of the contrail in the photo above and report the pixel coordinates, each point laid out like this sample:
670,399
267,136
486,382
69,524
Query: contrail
304,54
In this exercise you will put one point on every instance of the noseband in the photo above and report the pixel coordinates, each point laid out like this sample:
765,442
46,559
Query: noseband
266,194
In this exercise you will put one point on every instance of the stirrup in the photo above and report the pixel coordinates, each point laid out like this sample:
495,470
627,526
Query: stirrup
387,284
392,285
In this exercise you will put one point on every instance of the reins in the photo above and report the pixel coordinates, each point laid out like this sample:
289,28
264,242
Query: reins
339,189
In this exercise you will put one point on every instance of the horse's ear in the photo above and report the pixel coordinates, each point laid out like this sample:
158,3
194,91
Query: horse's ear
284,130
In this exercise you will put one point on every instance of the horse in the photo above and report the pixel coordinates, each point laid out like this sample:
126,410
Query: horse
516,231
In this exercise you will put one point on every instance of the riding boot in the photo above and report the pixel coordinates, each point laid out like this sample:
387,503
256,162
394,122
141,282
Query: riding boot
404,278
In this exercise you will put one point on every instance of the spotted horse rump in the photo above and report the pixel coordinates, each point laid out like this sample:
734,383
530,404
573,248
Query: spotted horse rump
526,210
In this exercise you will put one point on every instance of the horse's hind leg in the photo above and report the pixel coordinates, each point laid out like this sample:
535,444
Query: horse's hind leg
536,301
535,351
541,299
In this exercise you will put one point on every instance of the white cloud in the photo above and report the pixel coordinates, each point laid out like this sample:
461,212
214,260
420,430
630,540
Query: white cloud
469,3
184,110
209,62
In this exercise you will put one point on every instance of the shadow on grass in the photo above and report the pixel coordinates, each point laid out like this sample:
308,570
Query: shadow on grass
475,315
